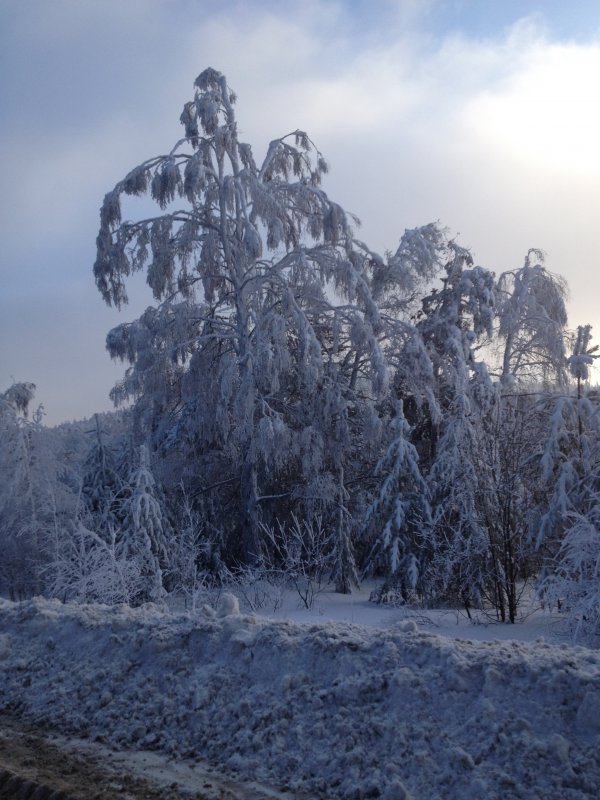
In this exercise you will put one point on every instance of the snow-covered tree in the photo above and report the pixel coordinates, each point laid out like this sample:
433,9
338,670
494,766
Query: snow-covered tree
31,494
17,565
194,556
146,533
400,515
401,281
400,285
454,321
457,539
102,488
572,449
456,318
567,531
18,397
530,324
532,318
583,356
510,438
261,288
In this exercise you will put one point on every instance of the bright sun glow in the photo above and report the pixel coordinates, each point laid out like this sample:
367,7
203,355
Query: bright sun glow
546,114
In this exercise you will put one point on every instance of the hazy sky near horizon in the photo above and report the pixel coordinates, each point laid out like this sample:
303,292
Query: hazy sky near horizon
482,114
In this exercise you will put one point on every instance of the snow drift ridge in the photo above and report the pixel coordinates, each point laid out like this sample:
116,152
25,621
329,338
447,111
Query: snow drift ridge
335,710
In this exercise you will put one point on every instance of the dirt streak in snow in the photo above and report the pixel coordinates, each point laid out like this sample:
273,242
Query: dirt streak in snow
33,759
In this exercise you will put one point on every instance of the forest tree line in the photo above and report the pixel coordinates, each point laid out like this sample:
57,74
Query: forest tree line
296,402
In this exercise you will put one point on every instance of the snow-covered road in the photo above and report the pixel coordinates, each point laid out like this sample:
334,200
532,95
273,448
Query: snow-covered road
330,709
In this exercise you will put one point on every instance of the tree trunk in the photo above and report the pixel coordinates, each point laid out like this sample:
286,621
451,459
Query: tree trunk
344,567
249,513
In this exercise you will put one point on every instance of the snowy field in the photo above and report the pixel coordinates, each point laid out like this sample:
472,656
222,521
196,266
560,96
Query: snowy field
324,709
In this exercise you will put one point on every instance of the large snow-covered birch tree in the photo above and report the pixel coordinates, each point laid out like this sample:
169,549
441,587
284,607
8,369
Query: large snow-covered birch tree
262,301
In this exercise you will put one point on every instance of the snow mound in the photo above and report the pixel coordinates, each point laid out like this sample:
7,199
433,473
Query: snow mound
228,605
331,709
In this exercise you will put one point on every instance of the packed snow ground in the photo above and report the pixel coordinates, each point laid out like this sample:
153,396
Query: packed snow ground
333,709
533,622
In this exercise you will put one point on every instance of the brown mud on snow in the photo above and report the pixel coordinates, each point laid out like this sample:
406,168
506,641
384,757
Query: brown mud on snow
36,764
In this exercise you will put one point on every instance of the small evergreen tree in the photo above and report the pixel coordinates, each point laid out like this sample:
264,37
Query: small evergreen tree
102,488
400,516
146,531
458,540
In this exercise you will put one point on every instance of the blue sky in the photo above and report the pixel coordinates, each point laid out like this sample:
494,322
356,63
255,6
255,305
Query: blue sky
480,114
578,20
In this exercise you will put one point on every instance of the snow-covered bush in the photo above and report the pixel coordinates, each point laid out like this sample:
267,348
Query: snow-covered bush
258,587
300,554
574,584
91,568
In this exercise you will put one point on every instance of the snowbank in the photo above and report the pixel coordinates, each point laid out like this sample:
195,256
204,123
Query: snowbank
331,709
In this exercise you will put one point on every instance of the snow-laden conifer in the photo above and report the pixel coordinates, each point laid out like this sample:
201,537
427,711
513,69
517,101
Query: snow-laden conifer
146,531
102,488
400,515
457,539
